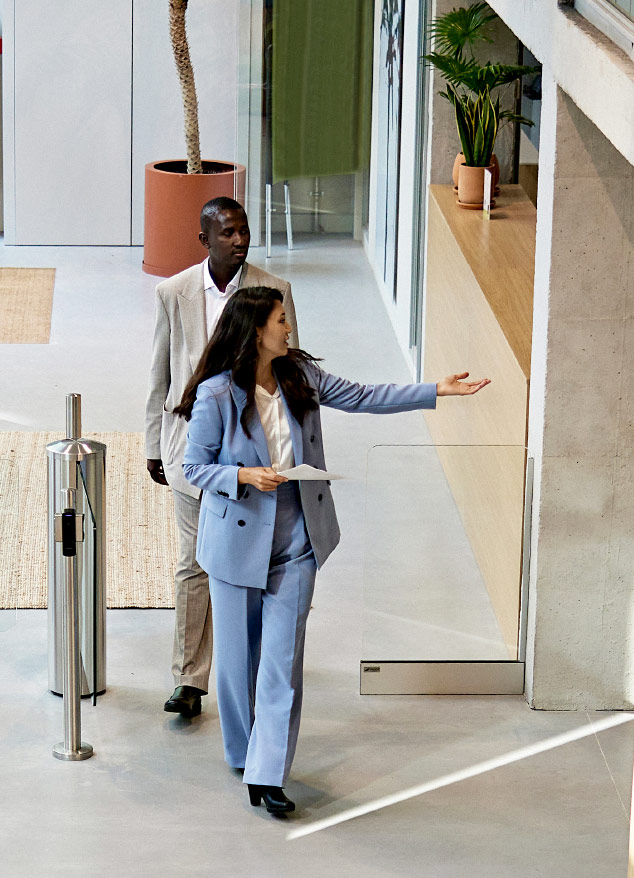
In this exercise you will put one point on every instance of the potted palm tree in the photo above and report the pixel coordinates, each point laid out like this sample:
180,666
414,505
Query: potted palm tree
176,189
470,86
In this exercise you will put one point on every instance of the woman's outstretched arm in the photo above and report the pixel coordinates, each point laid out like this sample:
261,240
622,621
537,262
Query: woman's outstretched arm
389,398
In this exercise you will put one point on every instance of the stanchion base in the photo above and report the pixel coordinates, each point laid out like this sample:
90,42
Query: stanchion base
84,694
62,752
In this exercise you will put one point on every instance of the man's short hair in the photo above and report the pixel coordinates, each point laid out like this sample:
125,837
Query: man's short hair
216,206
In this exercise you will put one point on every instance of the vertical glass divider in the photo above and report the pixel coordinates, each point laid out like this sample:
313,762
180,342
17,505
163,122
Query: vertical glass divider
526,558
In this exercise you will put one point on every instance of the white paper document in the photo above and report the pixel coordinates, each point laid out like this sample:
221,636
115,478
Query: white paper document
308,474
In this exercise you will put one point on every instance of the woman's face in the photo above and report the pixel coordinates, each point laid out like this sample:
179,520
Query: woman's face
273,336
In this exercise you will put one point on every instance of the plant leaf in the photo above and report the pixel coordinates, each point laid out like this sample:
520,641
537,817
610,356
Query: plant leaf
464,127
477,78
462,27
509,116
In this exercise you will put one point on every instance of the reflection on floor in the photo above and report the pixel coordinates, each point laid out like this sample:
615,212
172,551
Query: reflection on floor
157,799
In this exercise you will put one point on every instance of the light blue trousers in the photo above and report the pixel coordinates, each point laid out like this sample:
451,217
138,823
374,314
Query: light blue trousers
259,652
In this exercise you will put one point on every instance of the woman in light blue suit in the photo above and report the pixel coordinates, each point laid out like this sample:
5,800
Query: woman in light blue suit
253,407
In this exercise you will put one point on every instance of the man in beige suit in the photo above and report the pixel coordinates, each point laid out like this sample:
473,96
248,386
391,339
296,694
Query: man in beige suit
188,307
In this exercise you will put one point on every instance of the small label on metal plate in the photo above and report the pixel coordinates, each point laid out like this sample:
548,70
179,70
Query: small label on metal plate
372,669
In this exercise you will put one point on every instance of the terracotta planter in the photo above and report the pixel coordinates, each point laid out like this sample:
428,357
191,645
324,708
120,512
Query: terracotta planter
496,172
471,186
173,199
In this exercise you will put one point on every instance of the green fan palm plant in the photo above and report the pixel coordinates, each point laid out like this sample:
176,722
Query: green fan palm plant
462,28
470,84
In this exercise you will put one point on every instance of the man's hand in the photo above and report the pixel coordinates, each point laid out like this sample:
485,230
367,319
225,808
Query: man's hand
155,469
261,477
454,385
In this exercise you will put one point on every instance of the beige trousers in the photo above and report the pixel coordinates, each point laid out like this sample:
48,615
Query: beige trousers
193,632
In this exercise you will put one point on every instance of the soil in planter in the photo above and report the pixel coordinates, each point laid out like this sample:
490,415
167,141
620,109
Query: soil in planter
180,167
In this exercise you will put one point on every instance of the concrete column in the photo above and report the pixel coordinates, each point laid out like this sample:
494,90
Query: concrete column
581,428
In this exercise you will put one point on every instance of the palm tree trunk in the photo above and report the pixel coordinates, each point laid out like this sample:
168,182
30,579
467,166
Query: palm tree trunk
180,48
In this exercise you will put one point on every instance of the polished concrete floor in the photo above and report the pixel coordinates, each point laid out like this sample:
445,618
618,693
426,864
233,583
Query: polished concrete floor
157,798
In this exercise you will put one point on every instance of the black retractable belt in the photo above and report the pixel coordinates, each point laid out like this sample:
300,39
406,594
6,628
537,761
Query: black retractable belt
69,533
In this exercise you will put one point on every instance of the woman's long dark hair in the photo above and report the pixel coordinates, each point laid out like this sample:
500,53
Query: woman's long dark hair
233,346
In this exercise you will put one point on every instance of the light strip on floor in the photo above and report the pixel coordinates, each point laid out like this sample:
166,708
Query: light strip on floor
465,773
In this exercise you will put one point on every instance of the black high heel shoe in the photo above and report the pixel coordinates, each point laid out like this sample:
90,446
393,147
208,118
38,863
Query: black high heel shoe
274,799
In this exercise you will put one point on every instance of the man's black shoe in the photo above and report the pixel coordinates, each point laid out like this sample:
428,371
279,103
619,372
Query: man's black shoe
185,700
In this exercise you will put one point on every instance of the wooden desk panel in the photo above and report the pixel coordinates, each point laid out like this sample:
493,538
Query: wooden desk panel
479,317
501,255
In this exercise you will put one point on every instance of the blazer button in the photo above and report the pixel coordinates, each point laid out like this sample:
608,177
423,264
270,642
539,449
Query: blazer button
241,523
312,438
320,497
239,463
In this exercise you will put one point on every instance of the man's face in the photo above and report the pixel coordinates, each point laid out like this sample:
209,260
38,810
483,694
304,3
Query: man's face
227,238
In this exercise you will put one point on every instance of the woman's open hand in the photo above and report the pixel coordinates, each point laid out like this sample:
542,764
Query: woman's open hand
261,477
454,385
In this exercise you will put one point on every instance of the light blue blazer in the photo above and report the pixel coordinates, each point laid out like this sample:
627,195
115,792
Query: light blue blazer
235,530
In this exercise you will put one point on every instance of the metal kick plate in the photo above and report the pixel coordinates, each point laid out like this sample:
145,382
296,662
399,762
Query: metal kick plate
442,678
79,527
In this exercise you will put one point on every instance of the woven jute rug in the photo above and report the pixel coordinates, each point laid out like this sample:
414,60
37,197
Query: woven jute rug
26,300
141,536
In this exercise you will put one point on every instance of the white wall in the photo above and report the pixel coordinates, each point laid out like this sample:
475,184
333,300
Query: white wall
67,117
91,97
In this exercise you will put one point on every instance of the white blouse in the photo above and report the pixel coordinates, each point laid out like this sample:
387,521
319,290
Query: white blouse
276,429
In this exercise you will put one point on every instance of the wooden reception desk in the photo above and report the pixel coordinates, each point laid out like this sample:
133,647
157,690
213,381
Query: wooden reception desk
479,314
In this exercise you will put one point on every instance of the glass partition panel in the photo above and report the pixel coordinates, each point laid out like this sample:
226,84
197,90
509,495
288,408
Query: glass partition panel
443,555
9,543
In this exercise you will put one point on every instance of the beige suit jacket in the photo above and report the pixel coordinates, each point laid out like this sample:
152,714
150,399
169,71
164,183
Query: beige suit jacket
180,337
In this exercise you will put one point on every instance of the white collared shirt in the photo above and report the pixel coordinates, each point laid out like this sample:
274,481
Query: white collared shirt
215,301
276,429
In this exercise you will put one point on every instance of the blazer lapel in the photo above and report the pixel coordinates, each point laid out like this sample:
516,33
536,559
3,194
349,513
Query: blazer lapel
191,303
255,426
249,277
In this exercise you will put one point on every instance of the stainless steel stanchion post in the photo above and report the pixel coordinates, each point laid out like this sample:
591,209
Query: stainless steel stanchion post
289,218
76,574
78,463
268,213
316,196
72,748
